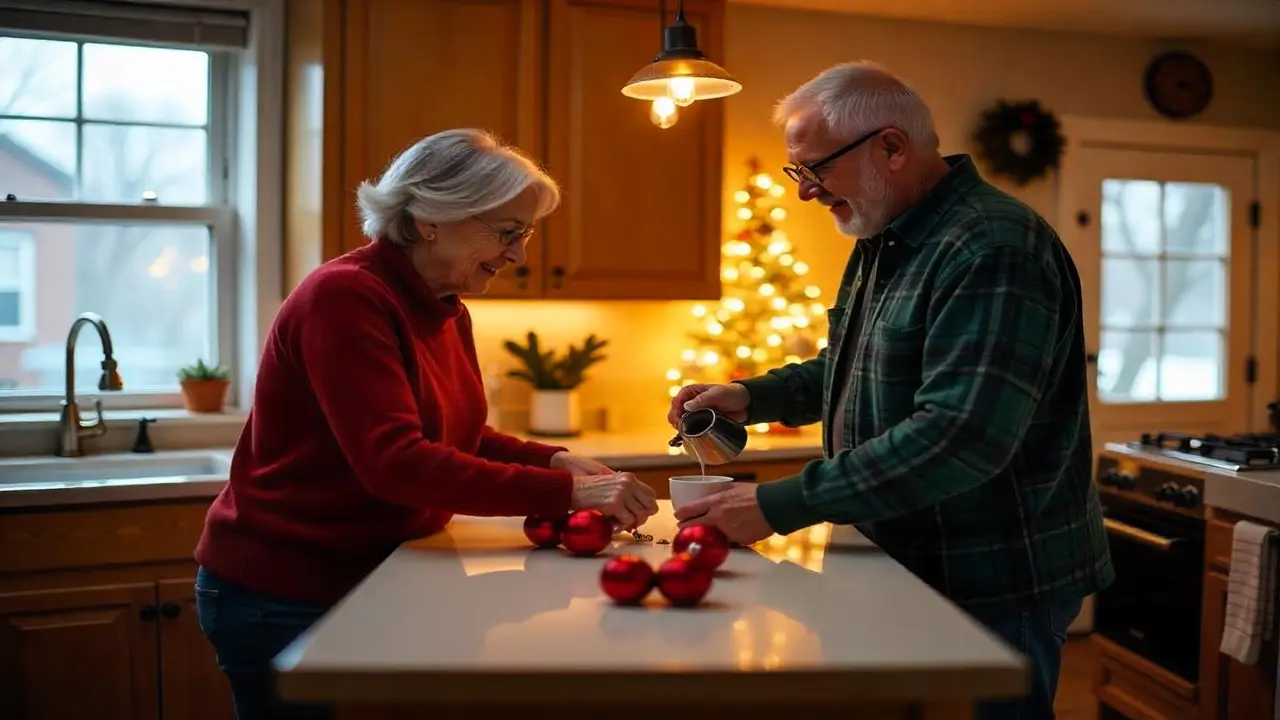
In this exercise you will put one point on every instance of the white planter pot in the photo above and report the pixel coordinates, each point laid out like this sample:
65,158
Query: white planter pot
555,413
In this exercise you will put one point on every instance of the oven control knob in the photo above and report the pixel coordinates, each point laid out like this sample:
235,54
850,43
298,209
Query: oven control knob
1186,496
1126,481
1166,492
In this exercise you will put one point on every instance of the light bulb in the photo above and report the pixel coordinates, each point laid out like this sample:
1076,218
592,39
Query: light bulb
663,113
681,90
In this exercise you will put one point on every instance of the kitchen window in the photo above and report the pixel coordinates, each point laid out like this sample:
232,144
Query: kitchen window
120,140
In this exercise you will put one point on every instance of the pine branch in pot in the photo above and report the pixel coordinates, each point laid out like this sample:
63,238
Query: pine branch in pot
554,408
204,387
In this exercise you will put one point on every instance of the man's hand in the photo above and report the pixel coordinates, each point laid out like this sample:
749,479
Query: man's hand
730,400
578,465
735,511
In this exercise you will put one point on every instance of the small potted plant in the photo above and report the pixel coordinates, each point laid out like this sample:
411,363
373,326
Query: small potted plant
204,387
554,409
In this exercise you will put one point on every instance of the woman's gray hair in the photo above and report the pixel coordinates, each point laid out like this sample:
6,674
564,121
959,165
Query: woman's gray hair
859,97
446,177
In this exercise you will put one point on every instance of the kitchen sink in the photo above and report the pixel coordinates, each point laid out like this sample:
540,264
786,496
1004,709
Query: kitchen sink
160,466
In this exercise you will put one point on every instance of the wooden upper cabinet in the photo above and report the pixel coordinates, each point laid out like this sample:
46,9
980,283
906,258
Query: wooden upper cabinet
416,67
641,205
640,217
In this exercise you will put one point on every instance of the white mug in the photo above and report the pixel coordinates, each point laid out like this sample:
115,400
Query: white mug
687,488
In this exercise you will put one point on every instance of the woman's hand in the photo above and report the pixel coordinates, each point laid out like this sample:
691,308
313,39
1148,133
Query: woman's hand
618,495
578,465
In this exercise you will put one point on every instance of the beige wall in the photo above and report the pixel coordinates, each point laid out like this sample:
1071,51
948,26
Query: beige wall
959,70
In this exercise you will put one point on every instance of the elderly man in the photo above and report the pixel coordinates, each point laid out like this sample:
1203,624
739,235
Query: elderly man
953,390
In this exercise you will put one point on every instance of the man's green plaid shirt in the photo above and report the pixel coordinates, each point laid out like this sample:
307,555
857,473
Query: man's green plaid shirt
968,453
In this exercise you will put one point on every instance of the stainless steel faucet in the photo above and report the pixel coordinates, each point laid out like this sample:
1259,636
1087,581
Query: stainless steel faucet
71,430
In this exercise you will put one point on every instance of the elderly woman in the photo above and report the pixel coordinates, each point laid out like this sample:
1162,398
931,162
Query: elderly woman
368,425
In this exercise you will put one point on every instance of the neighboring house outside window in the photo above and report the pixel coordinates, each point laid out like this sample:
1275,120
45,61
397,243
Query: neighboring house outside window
17,294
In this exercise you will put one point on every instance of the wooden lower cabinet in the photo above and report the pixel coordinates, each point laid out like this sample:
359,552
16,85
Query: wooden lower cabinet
95,624
1229,690
98,617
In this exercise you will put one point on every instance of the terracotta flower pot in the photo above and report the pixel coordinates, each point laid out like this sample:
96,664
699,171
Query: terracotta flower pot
204,396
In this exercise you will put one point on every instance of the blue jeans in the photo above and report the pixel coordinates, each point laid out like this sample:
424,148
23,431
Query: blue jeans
1039,635
247,630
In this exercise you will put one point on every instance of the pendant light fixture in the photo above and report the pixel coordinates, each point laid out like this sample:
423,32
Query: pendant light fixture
680,74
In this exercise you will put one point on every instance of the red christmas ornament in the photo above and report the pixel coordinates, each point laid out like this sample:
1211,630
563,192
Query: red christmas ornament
708,545
682,582
543,532
586,533
626,579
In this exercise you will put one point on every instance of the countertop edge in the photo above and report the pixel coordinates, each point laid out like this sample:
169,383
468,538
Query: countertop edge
798,688
78,493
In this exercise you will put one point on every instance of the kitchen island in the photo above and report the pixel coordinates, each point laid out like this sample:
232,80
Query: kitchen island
473,622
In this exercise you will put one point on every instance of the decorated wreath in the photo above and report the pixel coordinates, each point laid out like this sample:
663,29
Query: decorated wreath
1019,140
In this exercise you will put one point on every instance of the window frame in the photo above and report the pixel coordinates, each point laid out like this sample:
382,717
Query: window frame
244,214
25,243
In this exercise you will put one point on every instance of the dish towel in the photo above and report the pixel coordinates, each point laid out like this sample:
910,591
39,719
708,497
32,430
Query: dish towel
1250,587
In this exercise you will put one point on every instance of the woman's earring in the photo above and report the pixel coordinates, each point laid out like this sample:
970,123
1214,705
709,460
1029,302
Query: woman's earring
431,238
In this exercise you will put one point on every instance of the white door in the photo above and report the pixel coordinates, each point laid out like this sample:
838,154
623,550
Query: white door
1164,246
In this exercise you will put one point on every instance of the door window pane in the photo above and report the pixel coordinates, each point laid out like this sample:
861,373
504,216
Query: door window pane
1130,292
151,283
1130,217
1196,221
1191,366
1195,293
1127,362
1164,291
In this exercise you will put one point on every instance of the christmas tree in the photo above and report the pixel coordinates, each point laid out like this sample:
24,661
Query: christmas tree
769,314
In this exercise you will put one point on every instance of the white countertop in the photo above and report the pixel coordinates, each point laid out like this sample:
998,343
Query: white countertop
177,474
1252,492
475,612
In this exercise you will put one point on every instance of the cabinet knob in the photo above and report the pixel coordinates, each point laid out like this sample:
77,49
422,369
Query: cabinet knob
522,274
743,477
148,613
557,277
171,610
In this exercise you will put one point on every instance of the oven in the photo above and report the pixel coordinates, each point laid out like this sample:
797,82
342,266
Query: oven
1156,530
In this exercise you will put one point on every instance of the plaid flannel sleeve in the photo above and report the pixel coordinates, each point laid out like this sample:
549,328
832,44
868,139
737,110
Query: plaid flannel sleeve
987,360
791,394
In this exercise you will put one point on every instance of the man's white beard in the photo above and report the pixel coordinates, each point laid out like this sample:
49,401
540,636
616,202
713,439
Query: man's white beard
869,214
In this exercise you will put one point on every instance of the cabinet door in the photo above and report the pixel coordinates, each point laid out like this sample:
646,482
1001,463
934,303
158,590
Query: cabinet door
193,685
641,211
416,67
1229,689
79,653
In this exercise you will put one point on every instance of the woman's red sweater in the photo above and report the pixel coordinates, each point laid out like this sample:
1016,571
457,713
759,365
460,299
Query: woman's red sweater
367,430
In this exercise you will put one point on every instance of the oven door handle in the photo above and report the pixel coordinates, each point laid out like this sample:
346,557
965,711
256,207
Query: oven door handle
1138,535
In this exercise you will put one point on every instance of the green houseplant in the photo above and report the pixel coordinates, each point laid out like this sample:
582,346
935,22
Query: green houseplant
554,407
204,387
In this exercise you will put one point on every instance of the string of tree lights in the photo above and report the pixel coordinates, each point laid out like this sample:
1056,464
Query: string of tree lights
769,314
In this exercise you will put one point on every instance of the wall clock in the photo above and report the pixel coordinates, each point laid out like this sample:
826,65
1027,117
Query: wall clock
1178,84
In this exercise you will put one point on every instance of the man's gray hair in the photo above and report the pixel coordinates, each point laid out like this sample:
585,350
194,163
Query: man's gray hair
449,176
855,98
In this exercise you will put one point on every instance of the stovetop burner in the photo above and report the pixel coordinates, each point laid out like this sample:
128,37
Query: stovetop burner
1246,451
